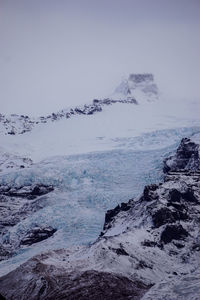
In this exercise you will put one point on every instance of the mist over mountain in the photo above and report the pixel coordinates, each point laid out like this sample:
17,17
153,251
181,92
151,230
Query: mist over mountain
59,54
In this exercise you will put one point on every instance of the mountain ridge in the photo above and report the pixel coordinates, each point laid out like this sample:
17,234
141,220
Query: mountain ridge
20,124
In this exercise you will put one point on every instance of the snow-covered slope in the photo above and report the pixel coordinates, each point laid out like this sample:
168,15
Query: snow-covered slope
150,243
113,128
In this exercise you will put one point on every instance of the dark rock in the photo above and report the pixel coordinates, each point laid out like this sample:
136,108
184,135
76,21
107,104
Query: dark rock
67,115
196,247
180,208
54,117
79,111
163,216
120,251
4,253
94,110
39,190
179,245
174,195
32,193
110,214
186,158
143,265
173,232
166,167
2,298
37,235
125,206
189,196
148,243
148,194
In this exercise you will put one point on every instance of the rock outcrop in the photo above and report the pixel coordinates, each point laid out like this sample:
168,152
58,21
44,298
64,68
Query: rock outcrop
37,234
17,203
187,157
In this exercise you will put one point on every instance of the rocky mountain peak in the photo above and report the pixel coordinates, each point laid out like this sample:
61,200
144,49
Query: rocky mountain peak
141,87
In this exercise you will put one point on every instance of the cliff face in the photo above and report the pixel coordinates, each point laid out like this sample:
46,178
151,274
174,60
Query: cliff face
148,249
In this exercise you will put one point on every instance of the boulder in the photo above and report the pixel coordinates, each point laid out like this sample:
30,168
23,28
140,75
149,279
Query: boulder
37,235
173,232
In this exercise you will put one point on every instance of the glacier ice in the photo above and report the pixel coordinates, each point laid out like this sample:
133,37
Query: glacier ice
86,185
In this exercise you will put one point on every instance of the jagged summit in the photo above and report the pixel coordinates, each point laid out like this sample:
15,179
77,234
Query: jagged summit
138,86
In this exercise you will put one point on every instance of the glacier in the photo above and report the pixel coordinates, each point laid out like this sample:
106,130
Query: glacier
85,187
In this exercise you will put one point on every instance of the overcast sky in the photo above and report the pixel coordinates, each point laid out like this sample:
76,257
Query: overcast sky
56,53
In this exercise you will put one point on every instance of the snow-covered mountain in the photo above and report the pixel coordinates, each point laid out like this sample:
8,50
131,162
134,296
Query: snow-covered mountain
148,249
59,175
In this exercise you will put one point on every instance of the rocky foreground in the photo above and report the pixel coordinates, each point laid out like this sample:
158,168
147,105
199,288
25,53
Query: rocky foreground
149,247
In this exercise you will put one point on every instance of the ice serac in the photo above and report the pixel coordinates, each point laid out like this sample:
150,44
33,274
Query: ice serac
148,249
140,87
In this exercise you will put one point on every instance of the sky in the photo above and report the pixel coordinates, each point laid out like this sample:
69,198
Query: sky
59,53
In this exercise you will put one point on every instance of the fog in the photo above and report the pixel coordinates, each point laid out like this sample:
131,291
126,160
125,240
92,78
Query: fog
55,54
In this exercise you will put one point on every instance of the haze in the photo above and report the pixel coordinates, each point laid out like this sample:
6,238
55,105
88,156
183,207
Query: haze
55,54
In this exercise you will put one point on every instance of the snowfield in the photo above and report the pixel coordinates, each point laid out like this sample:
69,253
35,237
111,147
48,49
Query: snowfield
113,128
